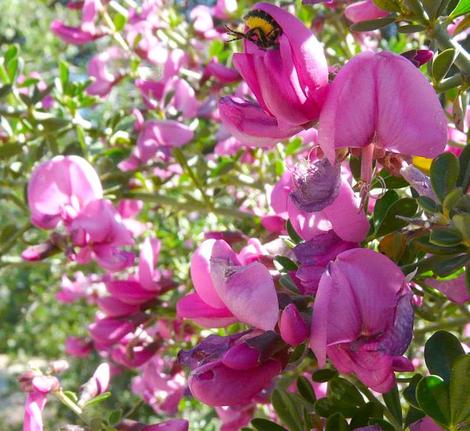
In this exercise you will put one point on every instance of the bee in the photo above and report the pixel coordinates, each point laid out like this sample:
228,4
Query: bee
263,30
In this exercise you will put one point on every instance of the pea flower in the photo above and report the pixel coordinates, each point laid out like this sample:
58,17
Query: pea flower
363,318
60,188
226,371
288,81
87,31
37,386
228,290
382,100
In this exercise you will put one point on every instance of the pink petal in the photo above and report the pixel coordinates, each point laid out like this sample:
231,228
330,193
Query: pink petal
247,291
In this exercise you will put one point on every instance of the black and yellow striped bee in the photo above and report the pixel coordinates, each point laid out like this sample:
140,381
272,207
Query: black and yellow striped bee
263,30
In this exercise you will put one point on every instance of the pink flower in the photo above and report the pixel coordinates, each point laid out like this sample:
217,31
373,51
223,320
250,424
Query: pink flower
220,380
38,387
99,70
151,91
394,108
363,318
180,96
84,33
99,232
60,188
159,137
289,81
227,290
78,347
161,385
364,10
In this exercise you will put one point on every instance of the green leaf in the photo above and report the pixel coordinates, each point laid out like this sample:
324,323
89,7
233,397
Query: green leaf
410,391
463,7
388,5
411,28
10,149
405,207
71,395
383,204
64,73
462,223
115,417
336,422
5,90
428,204
444,174
432,394
445,237
288,409
442,63
286,263
451,200
7,232
446,267
372,24
286,281
119,21
341,389
392,401
98,399
11,53
413,415
293,235
459,390
305,389
325,407
440,352
266,425
432,7
324,375
464,174
423,243
367,411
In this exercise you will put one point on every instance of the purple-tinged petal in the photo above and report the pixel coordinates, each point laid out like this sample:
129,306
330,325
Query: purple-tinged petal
397,339
315,185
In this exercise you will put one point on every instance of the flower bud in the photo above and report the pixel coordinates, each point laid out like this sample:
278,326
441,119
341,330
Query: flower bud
292,326
98,384
418,56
